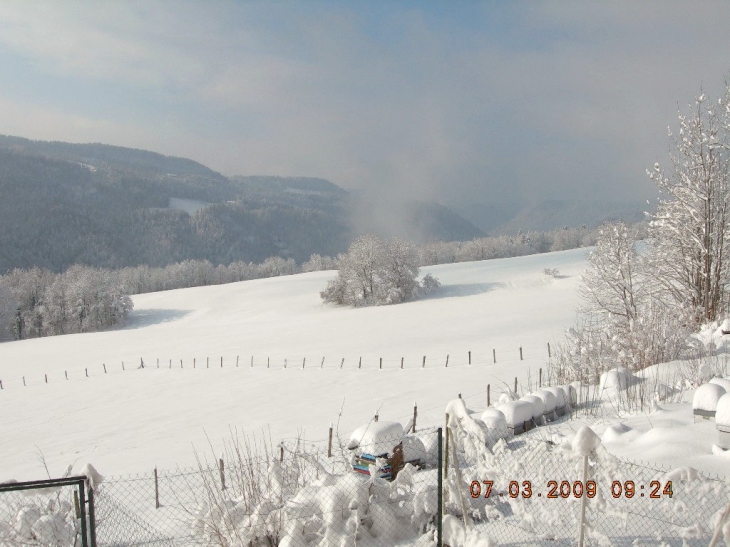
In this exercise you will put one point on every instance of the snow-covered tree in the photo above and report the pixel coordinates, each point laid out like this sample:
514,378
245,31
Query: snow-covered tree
374,271
690,227
8,310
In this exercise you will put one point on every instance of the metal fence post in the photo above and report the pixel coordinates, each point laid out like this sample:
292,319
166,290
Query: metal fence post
82,507
440,496
583,501
92,518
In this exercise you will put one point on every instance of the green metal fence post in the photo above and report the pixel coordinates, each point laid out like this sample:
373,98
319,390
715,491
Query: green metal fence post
92,518
82,506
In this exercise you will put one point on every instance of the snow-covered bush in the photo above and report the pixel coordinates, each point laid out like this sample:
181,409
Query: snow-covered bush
374,271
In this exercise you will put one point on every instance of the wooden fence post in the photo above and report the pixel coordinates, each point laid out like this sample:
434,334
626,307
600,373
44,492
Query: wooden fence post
401,362
549,354
281,454
181,363
322,364
381,362
237,356
304,362
207,362
515,385
86,370
65,372
1,384
104,365
540,376
157,491
268,362
46,378
520,353
415,415
376,417
447,360
193,362
122,365
329,444
488,394
470,357
158,362
221,361
87,375
494,356
424,362
221,470
342,364
359,363
252,361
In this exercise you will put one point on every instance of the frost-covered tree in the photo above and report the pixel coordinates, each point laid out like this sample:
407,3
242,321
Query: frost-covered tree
374,271
690,227
8,310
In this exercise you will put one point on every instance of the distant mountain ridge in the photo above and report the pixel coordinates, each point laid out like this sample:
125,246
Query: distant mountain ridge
109,206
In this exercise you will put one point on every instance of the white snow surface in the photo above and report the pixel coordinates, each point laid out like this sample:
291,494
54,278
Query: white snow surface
376,438
538,407
706,397
130,420
548,398
516,412
722,413
722,382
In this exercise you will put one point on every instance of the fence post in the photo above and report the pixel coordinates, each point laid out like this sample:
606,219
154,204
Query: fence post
583,499
401,362
281,453
157,491
46,378
193,362
221,470
86,370
549,354
221,361
488,394
540,384
158,362
446,450
381,362
207,362
104,365
122,365
459,481
415,415
252,361
82,506
237,356
92,517
515,385
359,363
1,384
494,356
520,353
329,444
304,362
268,362
440,493
447,363
342,364
65,372
181,363
470,357
376,417
424,362
322,364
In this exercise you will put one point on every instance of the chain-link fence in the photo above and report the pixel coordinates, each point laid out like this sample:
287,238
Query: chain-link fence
381,490
524,490
49,513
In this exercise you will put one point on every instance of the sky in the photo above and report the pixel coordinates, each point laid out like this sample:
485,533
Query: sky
458,102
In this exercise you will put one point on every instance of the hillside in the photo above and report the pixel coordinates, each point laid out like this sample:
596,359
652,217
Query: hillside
109,206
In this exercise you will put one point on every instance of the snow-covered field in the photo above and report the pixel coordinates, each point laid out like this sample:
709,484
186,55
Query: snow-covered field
130,420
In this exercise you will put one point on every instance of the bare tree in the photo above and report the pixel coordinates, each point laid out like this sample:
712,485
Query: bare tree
690,227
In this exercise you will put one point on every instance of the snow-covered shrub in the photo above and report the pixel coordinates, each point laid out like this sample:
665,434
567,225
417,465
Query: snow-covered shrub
374,271
551,272
707,396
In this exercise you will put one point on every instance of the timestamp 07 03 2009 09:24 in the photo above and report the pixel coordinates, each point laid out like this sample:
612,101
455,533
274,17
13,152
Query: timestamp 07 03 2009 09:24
567,489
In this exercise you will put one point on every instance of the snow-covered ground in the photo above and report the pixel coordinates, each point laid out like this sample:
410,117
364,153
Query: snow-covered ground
131,420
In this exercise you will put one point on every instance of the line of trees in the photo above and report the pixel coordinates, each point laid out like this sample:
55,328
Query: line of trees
641,306
37,302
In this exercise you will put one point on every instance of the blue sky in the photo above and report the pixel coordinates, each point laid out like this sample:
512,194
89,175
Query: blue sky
452,101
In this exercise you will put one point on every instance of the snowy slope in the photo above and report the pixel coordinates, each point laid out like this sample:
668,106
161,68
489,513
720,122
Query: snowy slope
128,421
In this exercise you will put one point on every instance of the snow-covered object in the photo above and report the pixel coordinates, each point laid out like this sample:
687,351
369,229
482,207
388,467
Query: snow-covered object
376,437
571,394
614,431
706,397
616,379
459,417
548,398
560,397
493,418
413,449
92,475
516,413
722,382
53,530
538,407
722,412
585,441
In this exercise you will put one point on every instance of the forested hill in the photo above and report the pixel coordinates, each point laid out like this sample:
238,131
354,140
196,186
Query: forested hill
109,206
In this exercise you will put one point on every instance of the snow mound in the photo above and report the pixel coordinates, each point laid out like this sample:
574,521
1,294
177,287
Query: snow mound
615,379
538,407
92,475
560,396
493,418
722,382
571,393
722,410
707,396
613,432
585,441
682,474
376,437
516,412
548,398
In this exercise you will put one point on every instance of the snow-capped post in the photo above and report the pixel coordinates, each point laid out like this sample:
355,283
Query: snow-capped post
440,491
65,372
221,471
446,451
447,360
46,378
584,442
415,415
122,365
342,364
304,362
520,353
359,363
193,362
549,354
470,357
207,362
515,385
157,491
221,362
381,362
489,386
401,362
237,356
181,363
494,356
424,362
322,364
158,362
268,362
86,370
376,417
329,443
540,378
104,365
